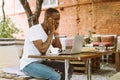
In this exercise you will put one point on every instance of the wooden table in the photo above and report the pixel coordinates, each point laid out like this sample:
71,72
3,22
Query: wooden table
80,56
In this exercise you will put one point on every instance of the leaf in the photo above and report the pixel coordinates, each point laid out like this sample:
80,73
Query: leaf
7,28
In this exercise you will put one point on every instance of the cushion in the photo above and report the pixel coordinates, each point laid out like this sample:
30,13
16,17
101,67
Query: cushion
107,43
107,39
102,43
96,43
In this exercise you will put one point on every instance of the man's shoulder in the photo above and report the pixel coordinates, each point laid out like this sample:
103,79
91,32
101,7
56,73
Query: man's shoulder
37,25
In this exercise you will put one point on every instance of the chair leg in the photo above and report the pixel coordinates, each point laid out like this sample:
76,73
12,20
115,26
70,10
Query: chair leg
102,60
107,58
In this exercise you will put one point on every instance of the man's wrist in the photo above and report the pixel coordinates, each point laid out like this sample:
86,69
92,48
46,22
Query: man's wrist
56,35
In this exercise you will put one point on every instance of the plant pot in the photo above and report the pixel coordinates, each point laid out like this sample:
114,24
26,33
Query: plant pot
10,51
7,41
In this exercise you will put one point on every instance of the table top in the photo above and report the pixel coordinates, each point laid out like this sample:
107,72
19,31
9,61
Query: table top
78,56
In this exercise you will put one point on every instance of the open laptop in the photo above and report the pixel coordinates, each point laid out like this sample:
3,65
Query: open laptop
76,46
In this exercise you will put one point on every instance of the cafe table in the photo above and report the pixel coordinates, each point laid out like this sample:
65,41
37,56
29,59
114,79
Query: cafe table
85,55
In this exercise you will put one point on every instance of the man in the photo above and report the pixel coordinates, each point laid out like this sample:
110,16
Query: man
39,40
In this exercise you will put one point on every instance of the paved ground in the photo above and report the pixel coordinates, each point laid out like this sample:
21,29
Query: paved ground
104,73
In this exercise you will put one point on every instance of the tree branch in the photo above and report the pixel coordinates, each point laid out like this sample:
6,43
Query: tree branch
32,18
3,3
26,7
28,11
38,7
35,16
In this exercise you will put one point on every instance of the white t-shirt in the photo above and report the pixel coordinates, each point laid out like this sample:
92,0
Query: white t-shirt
36,32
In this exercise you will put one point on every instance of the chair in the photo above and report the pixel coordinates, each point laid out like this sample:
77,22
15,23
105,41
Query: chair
108,40
80,66
117,75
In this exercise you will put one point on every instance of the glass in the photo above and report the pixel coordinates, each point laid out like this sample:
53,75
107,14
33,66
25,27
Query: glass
102,47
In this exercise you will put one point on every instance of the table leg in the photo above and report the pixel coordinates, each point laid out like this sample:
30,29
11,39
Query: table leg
66,68
117,61
89,69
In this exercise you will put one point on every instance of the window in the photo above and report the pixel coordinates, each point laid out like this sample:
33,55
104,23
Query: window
46,4
1,8
18,7
49,3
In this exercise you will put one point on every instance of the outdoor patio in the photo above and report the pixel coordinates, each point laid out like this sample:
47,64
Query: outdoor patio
103,74
97,20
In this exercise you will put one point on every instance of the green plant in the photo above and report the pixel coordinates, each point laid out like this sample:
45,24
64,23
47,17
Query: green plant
88,39
7,28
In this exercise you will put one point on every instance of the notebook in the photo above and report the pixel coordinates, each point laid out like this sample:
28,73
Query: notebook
76,46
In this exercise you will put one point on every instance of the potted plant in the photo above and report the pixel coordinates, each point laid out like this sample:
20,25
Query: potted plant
7,29
8,47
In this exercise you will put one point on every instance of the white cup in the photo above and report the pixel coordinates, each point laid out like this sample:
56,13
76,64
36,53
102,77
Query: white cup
54,51
102,47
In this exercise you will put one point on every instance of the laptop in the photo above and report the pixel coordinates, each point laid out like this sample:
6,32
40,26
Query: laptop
76,46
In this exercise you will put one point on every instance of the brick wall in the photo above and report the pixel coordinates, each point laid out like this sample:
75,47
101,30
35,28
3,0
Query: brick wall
107,17
102,17
79,16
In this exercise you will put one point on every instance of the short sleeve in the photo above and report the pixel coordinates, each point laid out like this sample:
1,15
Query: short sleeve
36,33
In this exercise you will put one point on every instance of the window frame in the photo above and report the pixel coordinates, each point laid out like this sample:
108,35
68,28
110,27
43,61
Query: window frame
50,5
19,8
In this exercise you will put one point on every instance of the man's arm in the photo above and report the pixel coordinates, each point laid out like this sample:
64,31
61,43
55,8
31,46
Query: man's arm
56,42
43,46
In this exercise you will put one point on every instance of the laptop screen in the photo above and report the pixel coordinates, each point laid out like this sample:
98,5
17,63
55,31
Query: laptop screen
77,44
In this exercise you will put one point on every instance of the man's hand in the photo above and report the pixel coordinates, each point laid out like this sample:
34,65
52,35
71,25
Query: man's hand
56,33
51,24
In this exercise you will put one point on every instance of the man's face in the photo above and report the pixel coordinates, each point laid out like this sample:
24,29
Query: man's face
56,18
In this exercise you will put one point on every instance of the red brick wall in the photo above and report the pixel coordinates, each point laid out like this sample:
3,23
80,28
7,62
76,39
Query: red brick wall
107,17
69,15
102,17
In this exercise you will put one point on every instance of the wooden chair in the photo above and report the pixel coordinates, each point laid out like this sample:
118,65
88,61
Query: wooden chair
81,66
108,40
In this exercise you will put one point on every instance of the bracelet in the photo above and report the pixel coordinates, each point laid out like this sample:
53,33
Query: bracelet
57,36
